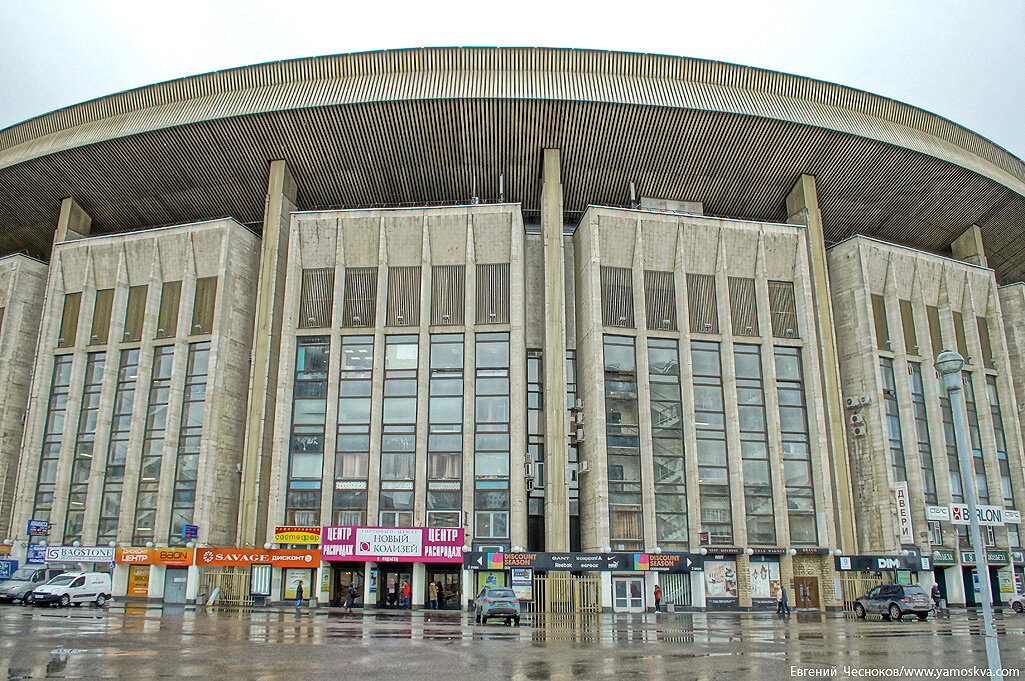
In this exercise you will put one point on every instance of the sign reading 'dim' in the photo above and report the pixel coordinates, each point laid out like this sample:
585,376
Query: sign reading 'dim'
393,544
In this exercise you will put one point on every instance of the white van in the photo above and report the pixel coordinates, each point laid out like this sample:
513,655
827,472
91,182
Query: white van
74,588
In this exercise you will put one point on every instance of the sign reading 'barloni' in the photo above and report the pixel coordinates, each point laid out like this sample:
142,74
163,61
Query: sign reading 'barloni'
415,544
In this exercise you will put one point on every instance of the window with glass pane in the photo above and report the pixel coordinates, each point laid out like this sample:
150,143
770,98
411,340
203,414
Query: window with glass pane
1001,441
306,438
793,420
667,443
897,464
190,432
491,436
975,436
83,457
445,431
398,431
922,431
153,444
536,424
117,447
52,432
710,427
352,444
953,467
396,508
622,443
349,507
754,445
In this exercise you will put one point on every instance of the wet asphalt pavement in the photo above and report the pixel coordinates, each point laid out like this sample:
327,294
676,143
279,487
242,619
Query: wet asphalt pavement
147,643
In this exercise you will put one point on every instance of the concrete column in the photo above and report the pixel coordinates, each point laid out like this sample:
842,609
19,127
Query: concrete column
968,247
256,462
556,445
74,222
419,586
370,597
803,209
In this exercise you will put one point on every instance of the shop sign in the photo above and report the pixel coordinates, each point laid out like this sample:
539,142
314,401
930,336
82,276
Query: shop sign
296,535
308,558
5,550
992,516
522,582
584,562
138,581
393,544
1012,516
880,563
79,554
900,491
943,557
7,568
992,557
1004,577
174,557
720,583
38,528
36,553
937,513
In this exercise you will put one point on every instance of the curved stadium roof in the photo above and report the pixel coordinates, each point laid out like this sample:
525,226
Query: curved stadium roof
417,126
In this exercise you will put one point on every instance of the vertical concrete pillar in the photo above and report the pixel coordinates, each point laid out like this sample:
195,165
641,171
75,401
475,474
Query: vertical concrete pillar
803,209
74,222
556,445
968,247
281,195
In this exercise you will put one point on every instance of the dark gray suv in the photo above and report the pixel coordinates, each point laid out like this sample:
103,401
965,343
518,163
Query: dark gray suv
893,601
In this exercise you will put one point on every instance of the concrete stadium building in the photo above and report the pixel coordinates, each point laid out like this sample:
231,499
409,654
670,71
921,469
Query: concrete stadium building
613,319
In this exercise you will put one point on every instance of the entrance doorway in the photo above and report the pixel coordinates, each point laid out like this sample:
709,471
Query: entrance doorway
390,582
448,582
342,575
806,592
628,594
175,580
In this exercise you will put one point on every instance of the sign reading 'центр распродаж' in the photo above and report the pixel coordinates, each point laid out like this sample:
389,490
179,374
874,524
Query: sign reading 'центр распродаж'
393,544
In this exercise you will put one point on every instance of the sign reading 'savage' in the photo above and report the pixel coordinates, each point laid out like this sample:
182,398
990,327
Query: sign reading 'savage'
242,557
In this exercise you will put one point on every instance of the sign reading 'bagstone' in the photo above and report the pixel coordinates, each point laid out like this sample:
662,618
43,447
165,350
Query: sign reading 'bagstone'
79,554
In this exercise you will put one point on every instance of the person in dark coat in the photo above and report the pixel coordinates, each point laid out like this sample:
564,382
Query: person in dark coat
299,598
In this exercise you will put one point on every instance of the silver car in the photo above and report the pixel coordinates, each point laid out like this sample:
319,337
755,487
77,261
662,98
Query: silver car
24,580
1018,603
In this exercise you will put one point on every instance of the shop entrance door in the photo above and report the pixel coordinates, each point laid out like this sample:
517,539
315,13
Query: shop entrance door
341,578
806,592
628,594
449,596
175,580
390,582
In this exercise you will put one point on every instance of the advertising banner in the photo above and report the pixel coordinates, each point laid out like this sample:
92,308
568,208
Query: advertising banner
992,516
36,553
900,491
296,535
79,554
7,568
392,544
175,557
720,583
307,558
584,562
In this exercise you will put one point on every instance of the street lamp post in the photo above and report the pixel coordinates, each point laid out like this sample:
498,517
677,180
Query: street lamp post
948,365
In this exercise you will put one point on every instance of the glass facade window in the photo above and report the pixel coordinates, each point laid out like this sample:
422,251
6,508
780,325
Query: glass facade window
667,444
793,420
1001,442
117,448
574,482
754,445
352,445
306,439
491,437
897,464
56,411
922,432
153,444
975,438
710,426
398,430
622,444
953,468
536,422
83,459
445,432
186,471
935,533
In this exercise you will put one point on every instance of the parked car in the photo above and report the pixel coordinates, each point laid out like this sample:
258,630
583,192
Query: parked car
1018,603
74,588
496,601
20,585
893,601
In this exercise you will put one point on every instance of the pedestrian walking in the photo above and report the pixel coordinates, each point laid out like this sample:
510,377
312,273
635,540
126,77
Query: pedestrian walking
350,597
782,603
405,595
935,596
299,598
432,595
658,598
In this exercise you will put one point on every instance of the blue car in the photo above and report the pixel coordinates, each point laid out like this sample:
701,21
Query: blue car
496,601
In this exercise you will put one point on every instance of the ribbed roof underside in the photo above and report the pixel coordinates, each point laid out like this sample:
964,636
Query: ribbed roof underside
417,126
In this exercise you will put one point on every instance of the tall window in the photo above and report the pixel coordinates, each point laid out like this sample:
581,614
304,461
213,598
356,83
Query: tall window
83,460
54,429
1001,445
186,474
897,464
793,422
536,449
306,440
153,444
622,443
953,468
398,430
667,443
922,431
352,448
491,437
445,432
710,424
975,437
117,448
754,444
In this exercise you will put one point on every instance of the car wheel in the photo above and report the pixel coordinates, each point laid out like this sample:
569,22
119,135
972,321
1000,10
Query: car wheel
64,601
100,600
27,599
922,616
859,611
895,613
1017,606
516,621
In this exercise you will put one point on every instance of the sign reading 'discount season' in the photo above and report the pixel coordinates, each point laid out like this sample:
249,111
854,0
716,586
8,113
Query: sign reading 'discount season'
391,544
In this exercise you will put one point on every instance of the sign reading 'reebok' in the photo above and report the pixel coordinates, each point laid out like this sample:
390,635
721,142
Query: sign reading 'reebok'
392,544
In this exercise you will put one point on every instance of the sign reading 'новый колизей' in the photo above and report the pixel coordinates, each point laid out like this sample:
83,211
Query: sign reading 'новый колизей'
391,544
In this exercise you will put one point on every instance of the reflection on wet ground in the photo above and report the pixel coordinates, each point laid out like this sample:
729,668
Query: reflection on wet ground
177,642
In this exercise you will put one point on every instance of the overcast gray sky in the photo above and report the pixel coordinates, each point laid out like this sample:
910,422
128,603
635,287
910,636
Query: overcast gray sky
961,59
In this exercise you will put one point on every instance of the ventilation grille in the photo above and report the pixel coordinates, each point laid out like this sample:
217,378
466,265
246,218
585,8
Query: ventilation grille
448,286
360,296
702,303
493,293
660,300
783,309
617,296
404,296
743,306
316,298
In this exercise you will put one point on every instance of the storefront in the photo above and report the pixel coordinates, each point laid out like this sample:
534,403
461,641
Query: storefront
383,561
251,576
153,574
999,575
860,573
721,592
765,580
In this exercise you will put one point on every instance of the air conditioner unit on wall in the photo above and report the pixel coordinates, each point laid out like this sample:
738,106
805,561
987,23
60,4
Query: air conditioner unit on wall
858,431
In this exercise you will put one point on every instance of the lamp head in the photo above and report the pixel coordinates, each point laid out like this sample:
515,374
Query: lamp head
949,362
